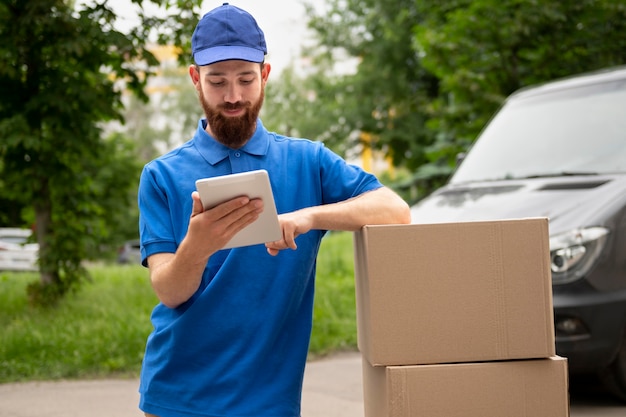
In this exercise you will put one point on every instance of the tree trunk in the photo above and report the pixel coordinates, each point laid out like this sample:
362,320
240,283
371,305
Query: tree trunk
43,219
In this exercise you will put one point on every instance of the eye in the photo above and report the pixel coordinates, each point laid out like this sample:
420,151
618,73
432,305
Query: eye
215,81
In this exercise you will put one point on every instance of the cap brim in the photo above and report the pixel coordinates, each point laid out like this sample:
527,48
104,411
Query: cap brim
224,53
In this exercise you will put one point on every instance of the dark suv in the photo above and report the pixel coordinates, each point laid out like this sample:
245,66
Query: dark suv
558,150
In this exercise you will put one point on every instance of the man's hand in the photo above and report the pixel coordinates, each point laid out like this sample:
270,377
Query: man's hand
380,206
176,277
211,229
292,225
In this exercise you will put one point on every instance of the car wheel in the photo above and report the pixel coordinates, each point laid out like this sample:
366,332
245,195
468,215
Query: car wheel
614,376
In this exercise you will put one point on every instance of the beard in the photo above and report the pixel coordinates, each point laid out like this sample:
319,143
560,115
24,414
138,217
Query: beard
233,132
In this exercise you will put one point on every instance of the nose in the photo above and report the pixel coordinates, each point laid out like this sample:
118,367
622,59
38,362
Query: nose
232,94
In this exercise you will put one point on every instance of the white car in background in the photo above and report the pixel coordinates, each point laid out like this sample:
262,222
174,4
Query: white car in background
17,253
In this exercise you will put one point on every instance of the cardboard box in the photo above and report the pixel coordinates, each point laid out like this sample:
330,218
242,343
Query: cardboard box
523,388
454,292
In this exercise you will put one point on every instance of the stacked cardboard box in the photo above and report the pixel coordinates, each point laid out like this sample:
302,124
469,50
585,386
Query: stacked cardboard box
456,319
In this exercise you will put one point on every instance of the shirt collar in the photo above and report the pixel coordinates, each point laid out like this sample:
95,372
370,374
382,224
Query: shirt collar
214,152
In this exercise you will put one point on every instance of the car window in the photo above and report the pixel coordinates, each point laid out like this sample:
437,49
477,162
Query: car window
580,130
19,240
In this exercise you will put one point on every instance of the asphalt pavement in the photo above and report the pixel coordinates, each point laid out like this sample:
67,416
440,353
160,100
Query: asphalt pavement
332,388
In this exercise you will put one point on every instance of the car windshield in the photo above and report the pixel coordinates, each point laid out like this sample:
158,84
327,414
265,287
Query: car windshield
577,131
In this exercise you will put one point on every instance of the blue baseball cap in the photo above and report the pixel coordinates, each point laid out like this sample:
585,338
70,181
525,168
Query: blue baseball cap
227,32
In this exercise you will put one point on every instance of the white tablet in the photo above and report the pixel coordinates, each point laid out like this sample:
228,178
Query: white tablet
253,184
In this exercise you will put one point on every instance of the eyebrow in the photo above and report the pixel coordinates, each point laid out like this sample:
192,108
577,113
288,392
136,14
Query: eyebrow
221,73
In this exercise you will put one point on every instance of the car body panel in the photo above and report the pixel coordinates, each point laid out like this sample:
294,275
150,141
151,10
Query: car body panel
130,253
17,253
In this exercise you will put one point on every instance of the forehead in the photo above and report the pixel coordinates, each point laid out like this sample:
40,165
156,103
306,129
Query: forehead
231,67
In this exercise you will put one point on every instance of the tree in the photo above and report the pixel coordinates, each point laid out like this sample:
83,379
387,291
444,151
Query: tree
431,73
167,119
292,106
61,74
484,50
386,100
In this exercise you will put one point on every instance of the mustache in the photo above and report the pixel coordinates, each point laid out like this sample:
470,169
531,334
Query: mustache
235,106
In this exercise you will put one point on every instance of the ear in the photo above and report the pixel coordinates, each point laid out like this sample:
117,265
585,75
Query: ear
265,72
194,74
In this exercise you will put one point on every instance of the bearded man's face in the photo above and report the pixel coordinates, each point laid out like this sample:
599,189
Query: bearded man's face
231,94
232,131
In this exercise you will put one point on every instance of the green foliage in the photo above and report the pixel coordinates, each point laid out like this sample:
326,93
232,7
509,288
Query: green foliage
430,74
43,295
61,75
49,122
100,329
174,26
388,96
176,102
482,51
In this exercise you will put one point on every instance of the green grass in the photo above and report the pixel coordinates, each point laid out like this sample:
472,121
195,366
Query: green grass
98,331
334,312
101,330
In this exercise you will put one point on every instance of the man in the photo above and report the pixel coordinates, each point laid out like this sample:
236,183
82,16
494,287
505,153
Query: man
231,332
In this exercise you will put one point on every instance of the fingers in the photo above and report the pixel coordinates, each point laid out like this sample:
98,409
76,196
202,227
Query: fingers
236,214
213,227
197,204
274,248
241,217
287,242
224,209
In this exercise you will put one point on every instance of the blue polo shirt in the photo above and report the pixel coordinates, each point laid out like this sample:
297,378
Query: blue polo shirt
238,346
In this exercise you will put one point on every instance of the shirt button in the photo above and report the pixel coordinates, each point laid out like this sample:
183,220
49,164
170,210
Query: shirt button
237,154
